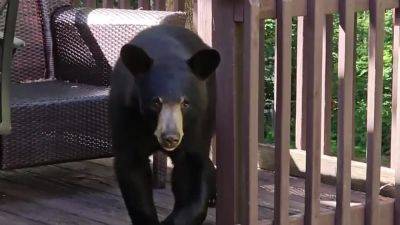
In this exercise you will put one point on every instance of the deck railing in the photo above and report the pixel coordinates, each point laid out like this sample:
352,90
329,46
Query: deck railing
235,28
236,33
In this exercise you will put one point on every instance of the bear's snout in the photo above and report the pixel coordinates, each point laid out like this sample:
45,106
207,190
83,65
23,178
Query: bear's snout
170,140
169,131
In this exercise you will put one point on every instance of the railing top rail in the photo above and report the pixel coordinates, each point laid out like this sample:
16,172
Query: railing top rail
268,7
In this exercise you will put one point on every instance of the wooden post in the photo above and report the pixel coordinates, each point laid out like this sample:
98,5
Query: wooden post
301,89
395,141
345,123
312,69
237,117
283,100
248,134
223,39
326,86
374,111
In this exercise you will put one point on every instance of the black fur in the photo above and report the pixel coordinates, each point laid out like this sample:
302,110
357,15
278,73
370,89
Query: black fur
170,62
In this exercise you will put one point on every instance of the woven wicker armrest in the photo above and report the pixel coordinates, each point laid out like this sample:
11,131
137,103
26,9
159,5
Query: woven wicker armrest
88,41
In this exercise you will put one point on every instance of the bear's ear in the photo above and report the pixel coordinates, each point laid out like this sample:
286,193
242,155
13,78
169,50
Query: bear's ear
204,63
135,59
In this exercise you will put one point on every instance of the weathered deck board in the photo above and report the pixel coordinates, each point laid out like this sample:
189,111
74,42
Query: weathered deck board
6,217
86,193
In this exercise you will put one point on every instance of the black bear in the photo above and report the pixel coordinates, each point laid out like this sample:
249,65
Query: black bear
163,98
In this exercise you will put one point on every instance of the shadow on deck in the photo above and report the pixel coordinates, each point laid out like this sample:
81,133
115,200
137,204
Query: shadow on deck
86,193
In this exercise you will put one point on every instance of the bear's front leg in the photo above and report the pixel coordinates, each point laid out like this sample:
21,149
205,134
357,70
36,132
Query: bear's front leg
134,178
193,184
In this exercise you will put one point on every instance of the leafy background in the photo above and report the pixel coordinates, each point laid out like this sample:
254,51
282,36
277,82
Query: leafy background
360,89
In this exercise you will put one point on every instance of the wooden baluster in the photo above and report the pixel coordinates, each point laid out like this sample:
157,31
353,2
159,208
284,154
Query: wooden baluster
312,69
178,5
90,3
124,4
301,88
203,9
76,3
159,5
283,100
346,108
144,4
205,22
374,111
195,15
395,141
108,3
204,25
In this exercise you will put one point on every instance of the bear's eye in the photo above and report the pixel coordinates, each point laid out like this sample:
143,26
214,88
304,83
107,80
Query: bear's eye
157,102
185,104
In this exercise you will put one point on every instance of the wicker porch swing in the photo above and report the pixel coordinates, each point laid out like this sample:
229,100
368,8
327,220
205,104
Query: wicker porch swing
55,89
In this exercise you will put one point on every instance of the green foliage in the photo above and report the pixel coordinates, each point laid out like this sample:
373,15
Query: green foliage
360,88
269,57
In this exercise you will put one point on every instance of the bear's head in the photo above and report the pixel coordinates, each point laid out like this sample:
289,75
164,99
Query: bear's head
172,90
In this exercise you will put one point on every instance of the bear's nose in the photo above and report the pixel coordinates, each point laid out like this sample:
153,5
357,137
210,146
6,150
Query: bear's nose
171,139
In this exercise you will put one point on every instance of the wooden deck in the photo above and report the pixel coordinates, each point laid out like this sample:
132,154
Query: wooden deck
86,193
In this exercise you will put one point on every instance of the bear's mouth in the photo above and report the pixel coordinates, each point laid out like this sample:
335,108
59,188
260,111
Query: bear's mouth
169,142
168,147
